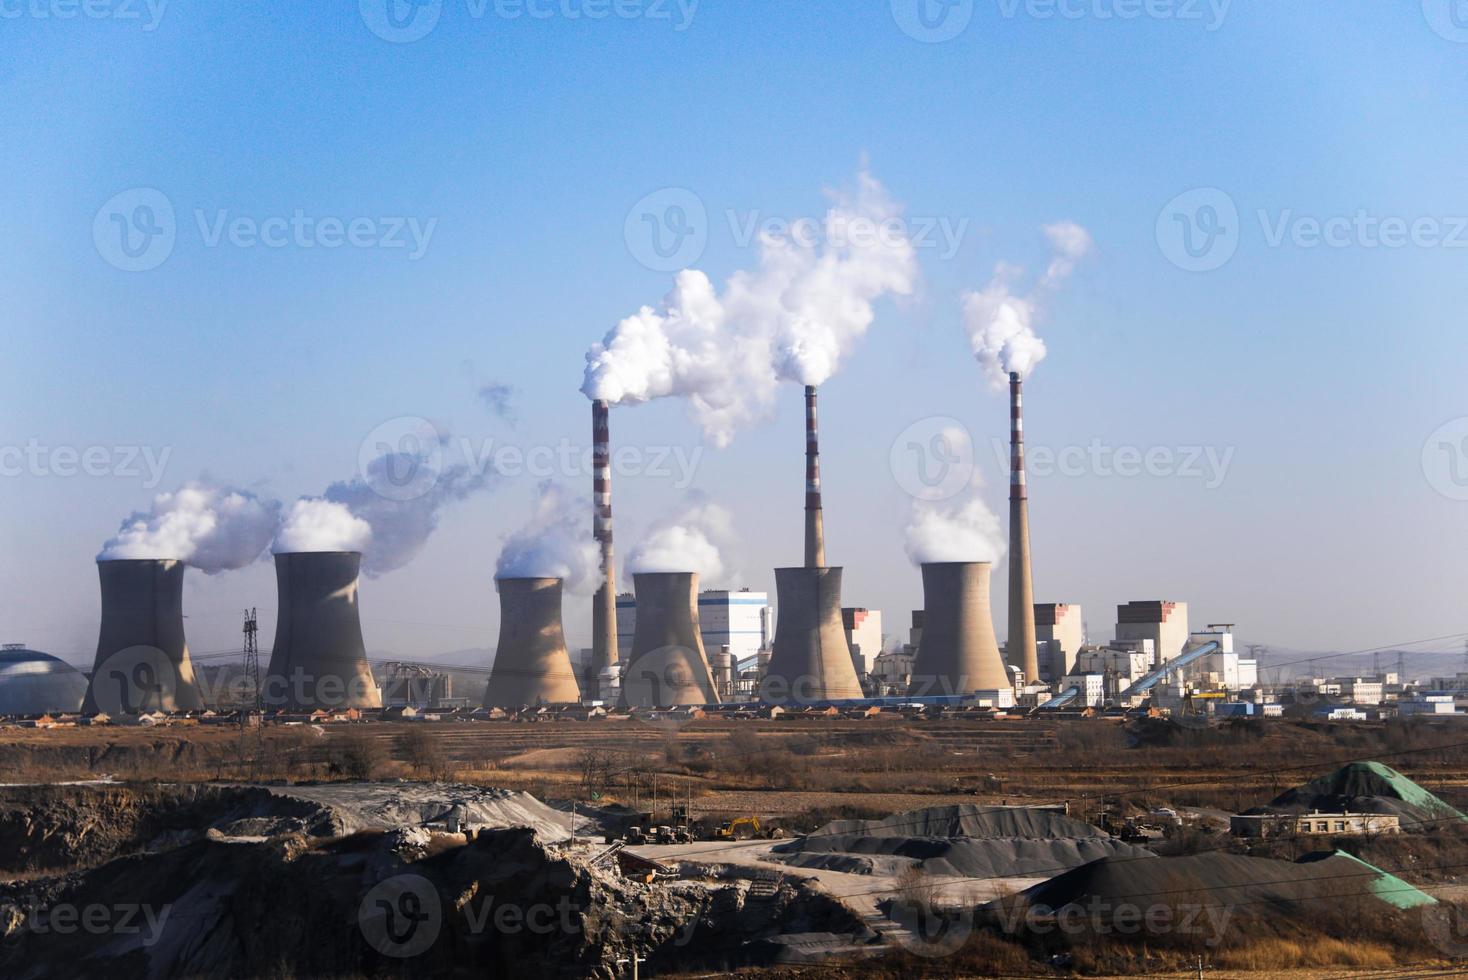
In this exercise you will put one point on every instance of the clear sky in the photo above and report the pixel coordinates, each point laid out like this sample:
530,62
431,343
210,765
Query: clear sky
1320,371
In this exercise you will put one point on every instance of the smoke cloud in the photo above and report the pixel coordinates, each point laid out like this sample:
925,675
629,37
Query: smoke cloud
793,318
693,539
968,531
499,399
315,524
1001,325
214,529
557,543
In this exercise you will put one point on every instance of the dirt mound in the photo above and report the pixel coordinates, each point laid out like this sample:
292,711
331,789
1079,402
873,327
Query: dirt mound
405,903
383,806
962,840
1367,787
1263,887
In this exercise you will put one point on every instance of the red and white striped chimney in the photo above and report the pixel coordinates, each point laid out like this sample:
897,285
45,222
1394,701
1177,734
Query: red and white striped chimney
815,533
1020,646
604,609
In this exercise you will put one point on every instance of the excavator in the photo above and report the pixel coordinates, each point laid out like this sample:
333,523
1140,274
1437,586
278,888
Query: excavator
745,828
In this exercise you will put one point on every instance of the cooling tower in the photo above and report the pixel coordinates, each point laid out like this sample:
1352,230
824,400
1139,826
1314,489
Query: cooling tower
604,653
1021,643
815,531
668,666
319,660
531,663
958,653
33,683
811,659
142,657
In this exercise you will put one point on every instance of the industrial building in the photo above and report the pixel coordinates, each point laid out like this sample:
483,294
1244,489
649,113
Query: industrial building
532,666
1019,645
1163,622
667,666
35,683
142,662
958,653
1060,632
319,660
864,636
739,620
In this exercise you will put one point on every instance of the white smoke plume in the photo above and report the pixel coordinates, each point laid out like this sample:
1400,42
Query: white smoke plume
315,524
966,531
1001,325
557,543
214,529
793,318
693,539
387,512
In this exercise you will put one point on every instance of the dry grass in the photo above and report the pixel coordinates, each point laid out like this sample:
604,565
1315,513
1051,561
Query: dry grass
1273,953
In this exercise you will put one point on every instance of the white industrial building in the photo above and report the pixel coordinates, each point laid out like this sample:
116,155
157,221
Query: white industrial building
1060,633
1163,622
864,637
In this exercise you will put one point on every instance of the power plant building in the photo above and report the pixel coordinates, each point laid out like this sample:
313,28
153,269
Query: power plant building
1059,634
864,637
319,660
34,683
737,620
142,662
1163,622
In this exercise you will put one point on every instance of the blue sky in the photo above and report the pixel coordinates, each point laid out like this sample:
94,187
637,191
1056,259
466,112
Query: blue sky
1324,370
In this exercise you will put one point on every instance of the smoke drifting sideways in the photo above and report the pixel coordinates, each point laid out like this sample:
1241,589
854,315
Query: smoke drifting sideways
695,538
1001,324
214,528
793,318
966,531
556,543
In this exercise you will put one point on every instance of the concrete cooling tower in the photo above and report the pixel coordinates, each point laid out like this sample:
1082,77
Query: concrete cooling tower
319,660
531,663
958,653
33,683
668,666
142,660
811,659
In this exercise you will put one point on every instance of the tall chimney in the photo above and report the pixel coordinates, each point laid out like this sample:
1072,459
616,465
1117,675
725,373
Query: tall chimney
811,660
958,653
604,606
815,534
668,666
319,659
531,663
1021,643
142,660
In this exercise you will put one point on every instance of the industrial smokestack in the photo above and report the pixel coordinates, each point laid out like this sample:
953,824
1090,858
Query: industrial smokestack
1021,643
815,532
531,663
668,666
604,652
811,659
958,653
319,659
142,660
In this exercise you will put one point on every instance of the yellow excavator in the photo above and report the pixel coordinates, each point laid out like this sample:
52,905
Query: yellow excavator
745,828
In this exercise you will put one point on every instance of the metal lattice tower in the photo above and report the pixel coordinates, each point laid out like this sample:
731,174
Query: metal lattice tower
252,658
